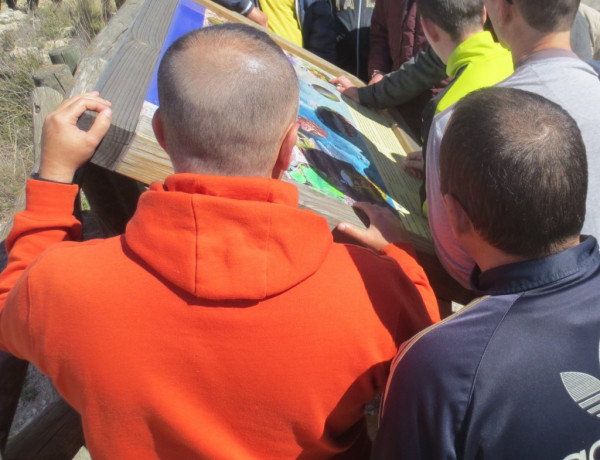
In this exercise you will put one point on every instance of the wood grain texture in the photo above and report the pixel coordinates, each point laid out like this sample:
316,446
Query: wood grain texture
56,434
69,55
56,76
104,46
43,101
126,77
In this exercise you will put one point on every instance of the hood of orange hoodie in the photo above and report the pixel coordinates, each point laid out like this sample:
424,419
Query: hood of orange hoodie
227,237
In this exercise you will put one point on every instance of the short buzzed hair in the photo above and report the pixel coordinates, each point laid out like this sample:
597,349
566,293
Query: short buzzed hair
453,16
227,94
548,15
516,163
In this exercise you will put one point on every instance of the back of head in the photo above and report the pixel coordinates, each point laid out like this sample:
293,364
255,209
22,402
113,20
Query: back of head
516,163
454,16
227,95
548,15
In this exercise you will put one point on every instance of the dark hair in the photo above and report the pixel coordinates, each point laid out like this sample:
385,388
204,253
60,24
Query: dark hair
453,16
227,94
548,15
516,163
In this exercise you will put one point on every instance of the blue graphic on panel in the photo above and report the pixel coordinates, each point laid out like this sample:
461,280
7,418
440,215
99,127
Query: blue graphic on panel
188,16
321,105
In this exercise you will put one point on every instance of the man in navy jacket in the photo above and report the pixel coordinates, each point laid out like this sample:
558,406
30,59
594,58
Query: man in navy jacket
516,374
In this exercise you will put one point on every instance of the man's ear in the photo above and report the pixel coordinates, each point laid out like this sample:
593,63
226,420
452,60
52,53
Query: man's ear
285,150
505,11
157,127
430,29
459,220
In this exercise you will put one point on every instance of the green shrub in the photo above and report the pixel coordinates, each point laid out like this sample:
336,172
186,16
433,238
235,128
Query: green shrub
52,20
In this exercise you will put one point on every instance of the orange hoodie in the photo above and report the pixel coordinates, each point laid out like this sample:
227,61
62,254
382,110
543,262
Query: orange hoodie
223,324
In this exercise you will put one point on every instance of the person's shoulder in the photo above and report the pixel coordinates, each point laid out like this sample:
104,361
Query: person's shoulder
438,364
368,261
443,346
71,259
542,72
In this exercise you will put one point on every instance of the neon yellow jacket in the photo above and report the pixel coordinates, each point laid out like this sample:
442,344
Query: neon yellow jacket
476,63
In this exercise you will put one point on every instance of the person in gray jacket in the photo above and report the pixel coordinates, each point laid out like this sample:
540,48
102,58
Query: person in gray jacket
538,34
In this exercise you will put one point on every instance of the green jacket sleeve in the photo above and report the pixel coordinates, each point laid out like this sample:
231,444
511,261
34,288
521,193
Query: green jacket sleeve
418,74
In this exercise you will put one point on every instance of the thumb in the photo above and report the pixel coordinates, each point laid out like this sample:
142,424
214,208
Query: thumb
353,231
100,126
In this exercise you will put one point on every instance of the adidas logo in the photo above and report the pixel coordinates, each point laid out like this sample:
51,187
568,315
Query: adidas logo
584,389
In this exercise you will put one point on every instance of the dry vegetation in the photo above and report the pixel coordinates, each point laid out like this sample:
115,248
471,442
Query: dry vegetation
22,50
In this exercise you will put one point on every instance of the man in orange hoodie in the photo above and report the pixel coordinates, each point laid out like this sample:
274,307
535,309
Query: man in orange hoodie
225,323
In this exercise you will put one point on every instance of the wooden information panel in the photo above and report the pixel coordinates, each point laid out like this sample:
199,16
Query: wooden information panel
345,152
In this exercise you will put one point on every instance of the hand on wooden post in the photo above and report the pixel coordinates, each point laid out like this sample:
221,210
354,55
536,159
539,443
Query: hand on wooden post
346,87
384,227
65,147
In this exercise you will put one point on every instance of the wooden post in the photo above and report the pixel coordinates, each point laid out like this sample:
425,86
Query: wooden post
56,76
113,197
104,46
13,370
69,55
57,434
12,377
43,101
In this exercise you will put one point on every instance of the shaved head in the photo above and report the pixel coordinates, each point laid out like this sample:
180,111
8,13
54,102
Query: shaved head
516,163
227,96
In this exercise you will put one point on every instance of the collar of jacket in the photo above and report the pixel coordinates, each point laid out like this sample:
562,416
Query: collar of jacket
478,46
546,54
227,237
533,274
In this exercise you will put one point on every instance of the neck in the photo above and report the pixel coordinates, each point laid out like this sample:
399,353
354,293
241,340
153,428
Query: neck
488,257
455,44
492,258
534,42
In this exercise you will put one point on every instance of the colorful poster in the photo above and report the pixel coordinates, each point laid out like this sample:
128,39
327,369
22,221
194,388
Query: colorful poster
332,155
344,151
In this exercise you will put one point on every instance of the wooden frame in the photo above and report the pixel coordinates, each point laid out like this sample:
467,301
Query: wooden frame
130,147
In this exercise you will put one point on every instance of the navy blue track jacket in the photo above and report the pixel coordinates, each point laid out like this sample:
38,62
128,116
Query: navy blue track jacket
515,375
